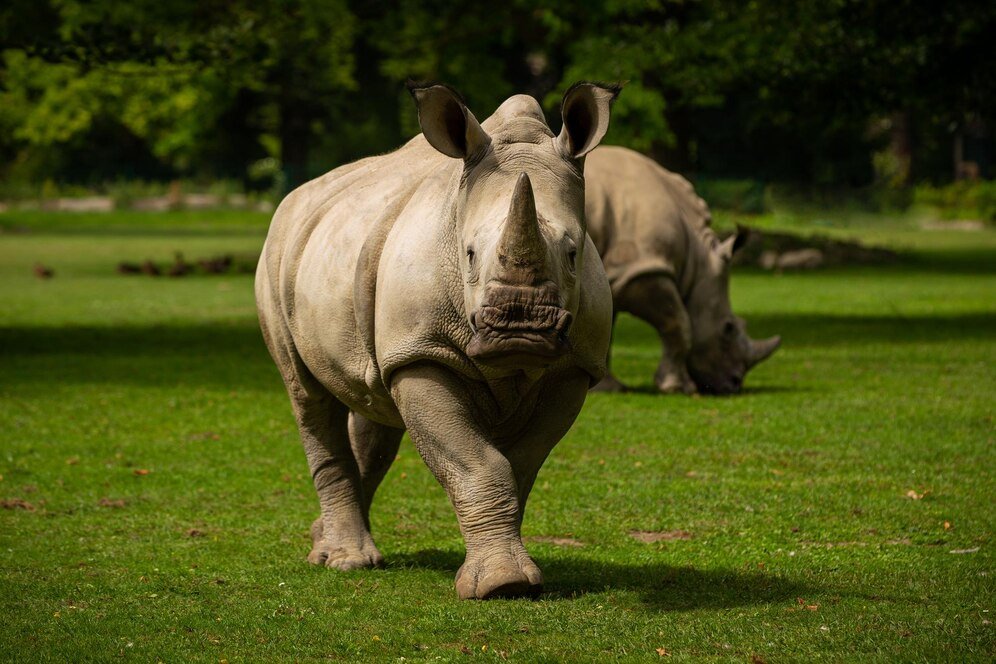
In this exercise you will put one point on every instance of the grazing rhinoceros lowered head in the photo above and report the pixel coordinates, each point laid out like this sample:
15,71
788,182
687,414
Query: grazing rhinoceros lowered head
721,352
448,289
667,267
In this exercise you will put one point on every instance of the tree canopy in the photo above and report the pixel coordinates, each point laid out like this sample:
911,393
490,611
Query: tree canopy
810,92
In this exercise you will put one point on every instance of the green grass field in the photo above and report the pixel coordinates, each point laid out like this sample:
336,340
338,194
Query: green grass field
156,500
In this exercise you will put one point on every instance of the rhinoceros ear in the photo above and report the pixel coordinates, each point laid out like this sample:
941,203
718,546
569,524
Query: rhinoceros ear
730,245
585,110
446,122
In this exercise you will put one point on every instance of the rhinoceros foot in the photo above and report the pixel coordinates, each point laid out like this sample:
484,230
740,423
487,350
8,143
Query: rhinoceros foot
675,382
345,554
499,574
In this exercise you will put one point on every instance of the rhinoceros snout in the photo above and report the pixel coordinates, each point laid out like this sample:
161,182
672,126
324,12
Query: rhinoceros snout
719,385
520,326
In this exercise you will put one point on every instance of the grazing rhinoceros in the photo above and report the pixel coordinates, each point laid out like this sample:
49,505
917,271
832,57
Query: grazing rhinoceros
448,288
667,267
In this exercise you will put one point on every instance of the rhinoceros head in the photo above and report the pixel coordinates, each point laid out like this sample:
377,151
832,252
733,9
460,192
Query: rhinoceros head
519,216
721,352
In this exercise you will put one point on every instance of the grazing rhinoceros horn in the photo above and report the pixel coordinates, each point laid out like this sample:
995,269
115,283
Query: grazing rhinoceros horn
521,246
762,350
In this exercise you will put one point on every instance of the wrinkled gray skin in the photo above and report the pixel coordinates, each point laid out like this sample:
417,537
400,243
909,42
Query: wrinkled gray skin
667,267
449,289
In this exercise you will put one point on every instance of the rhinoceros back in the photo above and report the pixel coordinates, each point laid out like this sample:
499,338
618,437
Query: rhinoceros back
317,277
643,218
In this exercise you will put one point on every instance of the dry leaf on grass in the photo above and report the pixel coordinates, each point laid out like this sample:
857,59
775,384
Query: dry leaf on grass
913,495
973,550
17,504
107,502
141,471
663,652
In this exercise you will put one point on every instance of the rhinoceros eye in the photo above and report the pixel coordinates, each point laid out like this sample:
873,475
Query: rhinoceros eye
470,255
730,328
572,256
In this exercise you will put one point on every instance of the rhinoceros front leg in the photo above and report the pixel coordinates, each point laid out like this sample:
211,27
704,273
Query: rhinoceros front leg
341,535
477,477
655,299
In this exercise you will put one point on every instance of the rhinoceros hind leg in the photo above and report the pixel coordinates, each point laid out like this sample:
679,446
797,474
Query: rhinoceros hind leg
327,552
341,536
375,447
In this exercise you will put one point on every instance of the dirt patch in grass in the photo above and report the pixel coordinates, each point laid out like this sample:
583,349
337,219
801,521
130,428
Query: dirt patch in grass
650,536
556,541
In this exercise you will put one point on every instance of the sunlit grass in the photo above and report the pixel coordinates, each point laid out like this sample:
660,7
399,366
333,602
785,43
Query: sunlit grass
789,530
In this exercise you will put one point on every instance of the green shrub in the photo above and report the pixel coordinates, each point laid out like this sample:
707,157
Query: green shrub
964,199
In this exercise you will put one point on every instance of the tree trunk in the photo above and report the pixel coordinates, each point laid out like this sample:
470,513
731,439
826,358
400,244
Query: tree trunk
901,147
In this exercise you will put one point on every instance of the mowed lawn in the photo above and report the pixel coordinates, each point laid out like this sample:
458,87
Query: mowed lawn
156,501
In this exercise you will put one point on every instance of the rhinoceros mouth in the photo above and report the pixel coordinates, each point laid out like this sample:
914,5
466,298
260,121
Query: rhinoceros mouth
518,334
718,385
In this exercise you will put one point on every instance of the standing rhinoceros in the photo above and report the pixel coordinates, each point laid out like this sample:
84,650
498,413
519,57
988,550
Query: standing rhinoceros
449,289
667,267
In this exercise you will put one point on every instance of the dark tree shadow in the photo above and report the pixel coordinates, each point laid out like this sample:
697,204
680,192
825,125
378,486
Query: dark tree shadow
233,355
660,587
851,330
215,355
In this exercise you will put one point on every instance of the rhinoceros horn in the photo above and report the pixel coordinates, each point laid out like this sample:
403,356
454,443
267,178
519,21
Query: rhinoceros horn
762,350
521,244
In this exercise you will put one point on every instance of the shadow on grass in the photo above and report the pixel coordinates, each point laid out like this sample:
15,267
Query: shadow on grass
955,260
767,389
819,330
233,355
660,587
216,355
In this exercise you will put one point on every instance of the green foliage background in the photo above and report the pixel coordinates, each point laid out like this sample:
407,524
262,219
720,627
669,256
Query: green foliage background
788,91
